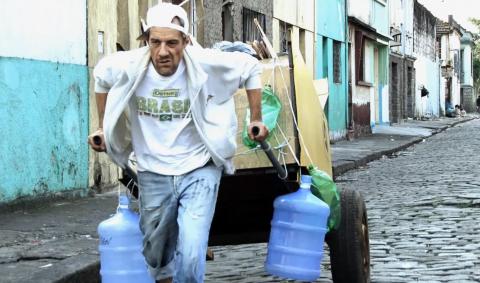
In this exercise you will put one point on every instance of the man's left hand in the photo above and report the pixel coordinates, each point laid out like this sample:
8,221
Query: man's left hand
262,131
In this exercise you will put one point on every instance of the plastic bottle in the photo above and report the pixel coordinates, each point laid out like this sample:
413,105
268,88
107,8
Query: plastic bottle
299,224
121,258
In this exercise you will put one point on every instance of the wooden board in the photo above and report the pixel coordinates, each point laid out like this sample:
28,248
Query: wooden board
279,78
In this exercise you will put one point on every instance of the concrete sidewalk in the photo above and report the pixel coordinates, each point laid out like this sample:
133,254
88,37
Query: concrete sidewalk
57,241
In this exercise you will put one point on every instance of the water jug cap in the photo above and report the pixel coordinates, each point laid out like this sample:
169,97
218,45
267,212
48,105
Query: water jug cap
306,179
123,200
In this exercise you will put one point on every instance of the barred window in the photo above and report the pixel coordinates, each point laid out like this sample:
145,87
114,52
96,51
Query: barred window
250,31
337,62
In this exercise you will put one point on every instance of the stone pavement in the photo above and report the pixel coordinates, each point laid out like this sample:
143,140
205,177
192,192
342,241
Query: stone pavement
57,241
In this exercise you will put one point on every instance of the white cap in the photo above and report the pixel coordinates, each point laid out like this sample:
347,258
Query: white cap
162,15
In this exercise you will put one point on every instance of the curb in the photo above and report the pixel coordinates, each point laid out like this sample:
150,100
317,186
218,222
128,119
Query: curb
347,165
76,269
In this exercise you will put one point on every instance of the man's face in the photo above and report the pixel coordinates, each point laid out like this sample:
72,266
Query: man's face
166,49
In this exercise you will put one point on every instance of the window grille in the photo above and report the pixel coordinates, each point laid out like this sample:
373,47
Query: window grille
250,31
337,62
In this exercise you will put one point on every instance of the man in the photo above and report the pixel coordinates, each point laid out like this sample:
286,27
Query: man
172,104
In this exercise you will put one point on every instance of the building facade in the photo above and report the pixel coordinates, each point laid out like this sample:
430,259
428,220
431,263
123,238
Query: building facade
44,84
331,62
467,91
428,98
369,36
295,21
449,36
402,70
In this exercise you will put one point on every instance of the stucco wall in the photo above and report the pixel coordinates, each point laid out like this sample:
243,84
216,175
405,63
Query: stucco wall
467,65
426,64
102,17
361,9
401,18
361,95
213,18
300,14
330,31
427,74
44,83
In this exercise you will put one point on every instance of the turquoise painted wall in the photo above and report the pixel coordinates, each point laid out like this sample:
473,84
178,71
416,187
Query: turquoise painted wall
331,26
330,19
44,124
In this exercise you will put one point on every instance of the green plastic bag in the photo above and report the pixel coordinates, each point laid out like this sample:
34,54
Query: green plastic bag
324,188
271,107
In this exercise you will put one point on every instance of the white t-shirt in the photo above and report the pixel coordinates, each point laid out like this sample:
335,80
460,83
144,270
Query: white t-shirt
164,138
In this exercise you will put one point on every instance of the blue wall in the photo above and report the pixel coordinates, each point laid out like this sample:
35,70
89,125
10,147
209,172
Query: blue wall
331,26
44,125
330,19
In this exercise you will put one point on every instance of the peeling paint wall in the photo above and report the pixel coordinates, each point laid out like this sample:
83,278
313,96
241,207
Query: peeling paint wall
44,83
427,66
401,18
104,31
330,25
450,55
360,95
300,14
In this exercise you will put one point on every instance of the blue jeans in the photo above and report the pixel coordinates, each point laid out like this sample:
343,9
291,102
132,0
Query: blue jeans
175,217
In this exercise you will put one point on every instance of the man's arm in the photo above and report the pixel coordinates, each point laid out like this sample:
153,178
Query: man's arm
255,103
101,99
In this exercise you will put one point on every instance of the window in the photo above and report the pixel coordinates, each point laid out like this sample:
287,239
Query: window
250,31
337,62
284,36
363,59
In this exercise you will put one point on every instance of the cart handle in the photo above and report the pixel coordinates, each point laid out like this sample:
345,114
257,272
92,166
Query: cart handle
282,173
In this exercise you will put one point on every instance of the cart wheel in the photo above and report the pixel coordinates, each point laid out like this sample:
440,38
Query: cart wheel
349,244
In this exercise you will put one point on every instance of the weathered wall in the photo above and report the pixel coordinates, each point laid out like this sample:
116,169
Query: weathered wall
212,22
381,17
44,83
427,74
213,18
361,9
330,31
454,57
300,14
401,86
401,18
102,19
427,66
360,95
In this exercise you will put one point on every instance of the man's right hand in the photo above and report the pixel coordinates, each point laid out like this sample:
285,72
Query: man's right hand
97,141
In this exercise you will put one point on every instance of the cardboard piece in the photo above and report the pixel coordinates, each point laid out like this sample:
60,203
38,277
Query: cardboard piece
279,78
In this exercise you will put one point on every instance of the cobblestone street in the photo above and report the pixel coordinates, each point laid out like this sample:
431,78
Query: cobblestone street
424,216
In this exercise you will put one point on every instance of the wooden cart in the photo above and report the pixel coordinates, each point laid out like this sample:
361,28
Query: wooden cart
245,200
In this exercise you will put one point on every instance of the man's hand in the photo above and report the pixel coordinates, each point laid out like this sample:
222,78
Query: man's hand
97,141
262,131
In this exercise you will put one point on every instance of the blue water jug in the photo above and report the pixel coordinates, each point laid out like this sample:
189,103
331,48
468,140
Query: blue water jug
121,258
299,224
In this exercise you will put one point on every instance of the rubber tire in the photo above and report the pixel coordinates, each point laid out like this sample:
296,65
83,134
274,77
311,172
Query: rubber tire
349,244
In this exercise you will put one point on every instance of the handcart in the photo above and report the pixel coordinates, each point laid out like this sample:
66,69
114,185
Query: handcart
245,200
